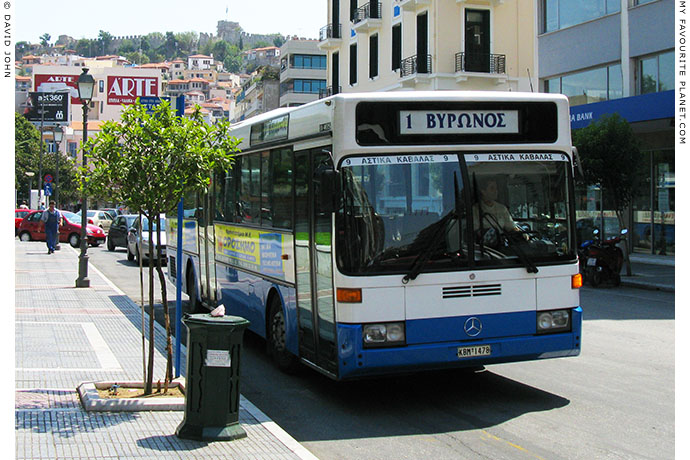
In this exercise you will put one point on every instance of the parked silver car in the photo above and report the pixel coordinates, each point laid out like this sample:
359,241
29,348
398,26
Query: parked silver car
134,251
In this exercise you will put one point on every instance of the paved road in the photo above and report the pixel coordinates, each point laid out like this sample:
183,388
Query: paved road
616,400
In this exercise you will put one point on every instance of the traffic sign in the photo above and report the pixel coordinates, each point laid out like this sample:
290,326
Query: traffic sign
48,189
48,178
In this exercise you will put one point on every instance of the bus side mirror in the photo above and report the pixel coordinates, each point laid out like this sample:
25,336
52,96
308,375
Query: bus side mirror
327,191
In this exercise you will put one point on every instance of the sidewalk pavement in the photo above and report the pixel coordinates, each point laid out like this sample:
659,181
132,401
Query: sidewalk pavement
65,336
652,272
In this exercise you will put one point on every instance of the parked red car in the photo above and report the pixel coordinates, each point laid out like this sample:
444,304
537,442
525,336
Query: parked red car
19,215
31,228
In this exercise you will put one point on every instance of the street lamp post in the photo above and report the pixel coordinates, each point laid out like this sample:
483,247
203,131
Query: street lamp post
30,174
57,139
85,85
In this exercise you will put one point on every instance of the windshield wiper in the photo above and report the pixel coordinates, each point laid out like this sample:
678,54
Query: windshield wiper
512,242
424,255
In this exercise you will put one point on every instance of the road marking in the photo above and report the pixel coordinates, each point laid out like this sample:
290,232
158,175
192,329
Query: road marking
520,448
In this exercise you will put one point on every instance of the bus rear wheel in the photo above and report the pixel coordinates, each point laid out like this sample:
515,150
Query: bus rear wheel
277,339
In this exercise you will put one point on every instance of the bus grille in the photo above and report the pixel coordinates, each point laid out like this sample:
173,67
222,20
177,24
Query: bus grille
453,292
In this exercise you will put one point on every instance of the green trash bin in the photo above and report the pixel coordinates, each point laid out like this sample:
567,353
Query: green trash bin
212,389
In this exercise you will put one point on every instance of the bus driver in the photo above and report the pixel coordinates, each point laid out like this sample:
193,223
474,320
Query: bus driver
494,214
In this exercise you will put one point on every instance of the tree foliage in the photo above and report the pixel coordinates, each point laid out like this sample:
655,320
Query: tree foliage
45,39
610,158
105,39
27,150
149,161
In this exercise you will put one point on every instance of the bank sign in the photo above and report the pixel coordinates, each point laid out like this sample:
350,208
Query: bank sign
126,90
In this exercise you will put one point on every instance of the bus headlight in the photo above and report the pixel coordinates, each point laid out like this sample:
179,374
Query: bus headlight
383,335
553,321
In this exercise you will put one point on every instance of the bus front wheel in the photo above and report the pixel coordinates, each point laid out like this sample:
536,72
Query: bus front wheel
194,306
277,342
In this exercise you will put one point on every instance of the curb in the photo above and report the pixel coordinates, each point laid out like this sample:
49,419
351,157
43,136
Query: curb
648,286
92,402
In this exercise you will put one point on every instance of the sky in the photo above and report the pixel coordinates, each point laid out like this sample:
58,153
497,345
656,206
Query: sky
84,19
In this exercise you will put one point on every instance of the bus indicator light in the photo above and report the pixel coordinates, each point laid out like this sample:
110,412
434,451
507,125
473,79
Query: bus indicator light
349,295
577,281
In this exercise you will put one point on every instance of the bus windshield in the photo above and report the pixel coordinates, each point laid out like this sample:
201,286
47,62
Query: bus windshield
450,211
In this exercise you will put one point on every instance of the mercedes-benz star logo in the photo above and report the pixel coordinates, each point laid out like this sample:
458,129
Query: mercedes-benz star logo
473,326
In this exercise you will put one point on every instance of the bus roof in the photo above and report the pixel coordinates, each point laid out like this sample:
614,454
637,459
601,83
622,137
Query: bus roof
318,118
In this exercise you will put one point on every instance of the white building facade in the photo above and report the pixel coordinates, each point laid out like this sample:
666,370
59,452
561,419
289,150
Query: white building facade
395,45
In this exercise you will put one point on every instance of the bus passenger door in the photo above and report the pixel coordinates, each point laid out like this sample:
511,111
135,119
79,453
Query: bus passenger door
314,270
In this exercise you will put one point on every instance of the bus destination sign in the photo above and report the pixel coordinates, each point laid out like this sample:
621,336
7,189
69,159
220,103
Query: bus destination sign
459,122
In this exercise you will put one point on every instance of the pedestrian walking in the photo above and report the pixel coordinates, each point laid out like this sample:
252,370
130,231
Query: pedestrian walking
51,218
23,205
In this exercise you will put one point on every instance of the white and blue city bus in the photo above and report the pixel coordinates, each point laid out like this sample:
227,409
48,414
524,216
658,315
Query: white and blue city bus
358,236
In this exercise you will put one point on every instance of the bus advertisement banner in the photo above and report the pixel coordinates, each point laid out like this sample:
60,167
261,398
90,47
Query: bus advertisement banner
250,249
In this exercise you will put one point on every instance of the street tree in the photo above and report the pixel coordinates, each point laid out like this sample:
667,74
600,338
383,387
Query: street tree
45,40
610,156
27,151
104,39
149,161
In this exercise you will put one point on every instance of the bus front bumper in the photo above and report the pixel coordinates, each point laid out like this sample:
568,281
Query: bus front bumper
355,361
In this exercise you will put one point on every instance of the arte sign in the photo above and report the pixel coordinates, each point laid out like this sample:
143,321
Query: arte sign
126,90
58,83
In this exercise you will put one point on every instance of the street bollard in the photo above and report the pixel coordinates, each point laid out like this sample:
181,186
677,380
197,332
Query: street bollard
212,388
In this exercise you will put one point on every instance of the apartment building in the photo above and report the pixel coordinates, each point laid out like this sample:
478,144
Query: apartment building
396,45
269,56
303,72
258,95
200,62
617,56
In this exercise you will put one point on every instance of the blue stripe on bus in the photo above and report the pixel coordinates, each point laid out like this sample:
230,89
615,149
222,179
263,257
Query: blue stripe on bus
434,330
355,361
245,294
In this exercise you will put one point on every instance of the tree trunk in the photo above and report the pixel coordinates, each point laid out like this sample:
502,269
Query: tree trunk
149,382
166,310
143,316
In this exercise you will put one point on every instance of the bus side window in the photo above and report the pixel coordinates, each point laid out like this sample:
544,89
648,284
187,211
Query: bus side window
281,192
250,189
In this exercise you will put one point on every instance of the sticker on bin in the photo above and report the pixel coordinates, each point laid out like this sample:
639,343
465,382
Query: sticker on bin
217,358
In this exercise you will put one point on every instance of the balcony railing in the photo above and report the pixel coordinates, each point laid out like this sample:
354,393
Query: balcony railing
420,63
330,31
329,91
480,62
371,10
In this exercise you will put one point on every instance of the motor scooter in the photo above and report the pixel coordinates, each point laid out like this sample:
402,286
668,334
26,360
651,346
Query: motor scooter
601,261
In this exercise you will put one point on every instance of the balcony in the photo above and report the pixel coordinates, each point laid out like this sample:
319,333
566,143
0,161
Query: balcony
367,17
475,62
329,91
493,2
330,37
414,5
417,64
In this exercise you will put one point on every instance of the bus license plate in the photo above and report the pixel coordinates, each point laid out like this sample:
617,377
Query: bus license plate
591,262
471,352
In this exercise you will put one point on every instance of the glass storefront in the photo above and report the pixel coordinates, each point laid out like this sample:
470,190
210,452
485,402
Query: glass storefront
654,205
651,219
